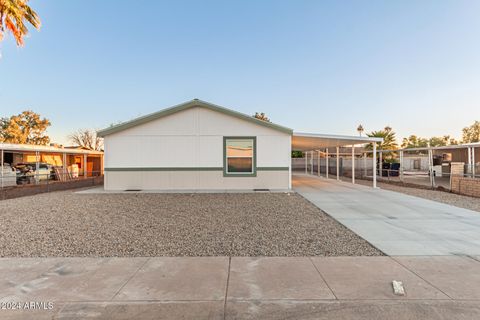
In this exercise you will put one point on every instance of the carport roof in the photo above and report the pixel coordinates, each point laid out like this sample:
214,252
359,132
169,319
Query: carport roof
314,141
45,149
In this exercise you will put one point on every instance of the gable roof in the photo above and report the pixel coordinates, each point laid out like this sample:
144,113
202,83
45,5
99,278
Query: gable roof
187,105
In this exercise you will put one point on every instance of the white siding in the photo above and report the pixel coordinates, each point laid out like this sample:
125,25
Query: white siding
194,180
273,151
190,139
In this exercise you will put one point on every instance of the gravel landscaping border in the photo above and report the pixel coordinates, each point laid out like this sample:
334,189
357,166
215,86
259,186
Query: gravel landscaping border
242,224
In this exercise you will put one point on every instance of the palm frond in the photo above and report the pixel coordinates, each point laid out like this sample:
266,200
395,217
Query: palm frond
13,17
14,30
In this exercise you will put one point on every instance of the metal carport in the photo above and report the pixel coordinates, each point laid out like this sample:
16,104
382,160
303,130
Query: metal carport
314,142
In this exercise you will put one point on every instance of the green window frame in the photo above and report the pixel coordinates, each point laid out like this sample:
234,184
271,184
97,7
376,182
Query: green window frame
253,173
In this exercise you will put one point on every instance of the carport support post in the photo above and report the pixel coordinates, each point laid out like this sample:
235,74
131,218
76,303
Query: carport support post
401,166
318,160
430,163
84,165
374,164
353,164
326,163
306,162
37,167
473,162
365,164
338,163
380,162
64,167
311,162
469,161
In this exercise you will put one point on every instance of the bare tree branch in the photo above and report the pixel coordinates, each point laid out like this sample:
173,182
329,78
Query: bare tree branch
86,138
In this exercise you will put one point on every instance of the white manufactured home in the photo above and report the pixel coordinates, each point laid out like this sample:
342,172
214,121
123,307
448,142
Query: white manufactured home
197,145
201,146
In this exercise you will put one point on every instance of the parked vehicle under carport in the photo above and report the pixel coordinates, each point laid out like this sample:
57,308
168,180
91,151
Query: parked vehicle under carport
9,176
27,172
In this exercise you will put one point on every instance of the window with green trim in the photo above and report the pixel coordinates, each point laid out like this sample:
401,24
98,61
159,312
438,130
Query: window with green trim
239,156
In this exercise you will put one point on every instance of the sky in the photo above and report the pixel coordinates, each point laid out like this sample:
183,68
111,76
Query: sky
314,66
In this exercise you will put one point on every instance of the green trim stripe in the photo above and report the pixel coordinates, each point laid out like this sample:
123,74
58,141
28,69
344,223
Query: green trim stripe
185,106
138,169
272,168
166,169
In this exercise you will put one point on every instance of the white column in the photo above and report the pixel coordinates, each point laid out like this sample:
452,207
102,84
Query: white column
473,162
311,162
84,165
469,160
338,163
64,169
353,164
37,167
365,164
374,164
401,166
1,165
430,164
318,159
380,162
326,164
306,162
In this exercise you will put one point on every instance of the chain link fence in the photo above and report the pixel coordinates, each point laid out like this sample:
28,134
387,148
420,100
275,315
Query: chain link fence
428,168
28,181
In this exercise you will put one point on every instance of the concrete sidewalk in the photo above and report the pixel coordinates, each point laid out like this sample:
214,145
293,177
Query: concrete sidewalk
445,287
395,223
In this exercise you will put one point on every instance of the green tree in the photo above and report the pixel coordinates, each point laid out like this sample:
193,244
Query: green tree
297,154
414,142
261,116
26,128
389,138
439,141
472,133
14,14
453,141
389,141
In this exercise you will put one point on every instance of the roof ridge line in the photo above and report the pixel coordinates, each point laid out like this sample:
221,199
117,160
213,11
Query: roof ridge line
187,105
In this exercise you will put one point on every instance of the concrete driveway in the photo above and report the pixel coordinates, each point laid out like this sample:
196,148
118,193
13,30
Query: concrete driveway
395,223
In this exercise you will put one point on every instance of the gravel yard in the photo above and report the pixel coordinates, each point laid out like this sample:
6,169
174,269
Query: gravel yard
249,224
453,199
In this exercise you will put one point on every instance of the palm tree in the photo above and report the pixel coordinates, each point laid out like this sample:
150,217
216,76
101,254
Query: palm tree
389,141
360,129
13,17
